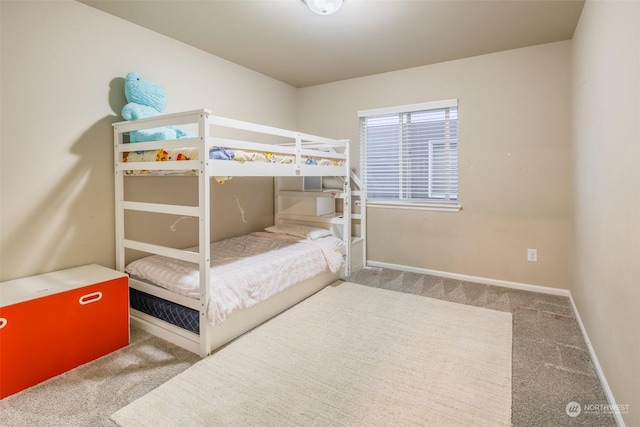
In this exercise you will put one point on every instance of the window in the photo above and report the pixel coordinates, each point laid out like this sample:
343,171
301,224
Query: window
409,154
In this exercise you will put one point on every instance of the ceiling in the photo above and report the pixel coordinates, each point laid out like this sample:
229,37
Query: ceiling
285,40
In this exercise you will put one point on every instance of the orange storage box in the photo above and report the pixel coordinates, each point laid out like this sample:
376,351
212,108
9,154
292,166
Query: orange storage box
54,322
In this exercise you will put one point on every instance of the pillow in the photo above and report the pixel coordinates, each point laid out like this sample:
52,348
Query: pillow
335,241
303,231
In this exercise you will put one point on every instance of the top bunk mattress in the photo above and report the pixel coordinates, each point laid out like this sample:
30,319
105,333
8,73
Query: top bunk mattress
215,153
244,270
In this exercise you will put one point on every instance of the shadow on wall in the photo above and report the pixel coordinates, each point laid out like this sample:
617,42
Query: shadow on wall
73,224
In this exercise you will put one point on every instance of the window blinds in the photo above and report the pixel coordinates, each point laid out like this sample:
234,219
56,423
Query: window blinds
410,154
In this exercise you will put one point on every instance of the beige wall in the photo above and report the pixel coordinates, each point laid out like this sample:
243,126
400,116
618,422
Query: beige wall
606,170
514,116
63,65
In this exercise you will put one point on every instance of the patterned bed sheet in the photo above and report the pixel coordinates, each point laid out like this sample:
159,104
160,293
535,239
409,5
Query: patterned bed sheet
244,270
217,153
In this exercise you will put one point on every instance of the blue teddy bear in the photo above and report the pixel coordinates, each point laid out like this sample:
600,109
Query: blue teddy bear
147,99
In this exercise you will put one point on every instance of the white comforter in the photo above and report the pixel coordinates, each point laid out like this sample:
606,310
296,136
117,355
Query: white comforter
244,270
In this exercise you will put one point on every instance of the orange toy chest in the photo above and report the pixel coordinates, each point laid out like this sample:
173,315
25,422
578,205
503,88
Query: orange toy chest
57,321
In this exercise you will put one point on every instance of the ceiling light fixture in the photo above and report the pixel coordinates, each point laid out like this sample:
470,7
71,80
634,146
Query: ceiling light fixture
323,7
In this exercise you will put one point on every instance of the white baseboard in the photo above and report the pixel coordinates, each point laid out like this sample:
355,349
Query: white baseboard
596,364
525,287
476,279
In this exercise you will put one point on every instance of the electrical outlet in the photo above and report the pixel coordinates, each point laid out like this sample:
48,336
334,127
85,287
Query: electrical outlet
532,255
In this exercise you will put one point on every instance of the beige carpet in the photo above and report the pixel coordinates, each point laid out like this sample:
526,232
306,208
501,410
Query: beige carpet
350,355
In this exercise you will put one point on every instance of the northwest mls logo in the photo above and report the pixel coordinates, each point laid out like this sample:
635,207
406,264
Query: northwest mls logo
573,409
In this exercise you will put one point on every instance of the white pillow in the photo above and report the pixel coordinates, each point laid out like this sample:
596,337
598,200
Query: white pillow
336,241
303,231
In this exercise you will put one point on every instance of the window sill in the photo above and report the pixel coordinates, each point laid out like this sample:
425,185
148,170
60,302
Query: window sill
415,206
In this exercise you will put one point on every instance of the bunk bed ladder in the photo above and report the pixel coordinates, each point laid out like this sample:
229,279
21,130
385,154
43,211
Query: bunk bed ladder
201,211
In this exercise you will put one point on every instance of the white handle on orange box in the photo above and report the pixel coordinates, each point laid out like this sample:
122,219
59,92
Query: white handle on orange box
89,298
3,322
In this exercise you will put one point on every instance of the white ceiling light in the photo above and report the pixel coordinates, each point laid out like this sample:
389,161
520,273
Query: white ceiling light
324,7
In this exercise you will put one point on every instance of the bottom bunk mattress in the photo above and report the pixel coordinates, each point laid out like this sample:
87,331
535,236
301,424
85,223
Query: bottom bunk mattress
245,270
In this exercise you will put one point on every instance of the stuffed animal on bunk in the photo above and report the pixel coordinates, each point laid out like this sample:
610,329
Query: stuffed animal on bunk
146,98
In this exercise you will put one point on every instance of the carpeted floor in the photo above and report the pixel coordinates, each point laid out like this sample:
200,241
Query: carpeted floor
350,355
551,364
87,396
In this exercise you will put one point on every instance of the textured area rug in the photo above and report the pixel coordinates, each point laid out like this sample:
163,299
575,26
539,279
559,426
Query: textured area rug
350,355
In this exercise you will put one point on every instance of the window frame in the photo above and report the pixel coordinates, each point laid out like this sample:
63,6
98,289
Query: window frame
430,203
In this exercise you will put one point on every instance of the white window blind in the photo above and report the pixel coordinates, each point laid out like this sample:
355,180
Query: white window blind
410,154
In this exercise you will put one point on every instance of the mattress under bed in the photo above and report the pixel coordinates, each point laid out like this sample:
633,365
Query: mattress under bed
169,311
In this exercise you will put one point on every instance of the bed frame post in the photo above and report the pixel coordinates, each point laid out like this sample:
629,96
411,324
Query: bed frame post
119,198
362,192
298,152
204,228
346,209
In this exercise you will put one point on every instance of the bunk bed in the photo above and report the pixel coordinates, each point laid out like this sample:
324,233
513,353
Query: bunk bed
196,314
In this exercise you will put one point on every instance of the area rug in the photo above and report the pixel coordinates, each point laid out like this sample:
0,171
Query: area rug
351,355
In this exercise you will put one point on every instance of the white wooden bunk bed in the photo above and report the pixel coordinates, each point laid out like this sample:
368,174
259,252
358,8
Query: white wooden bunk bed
285,154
